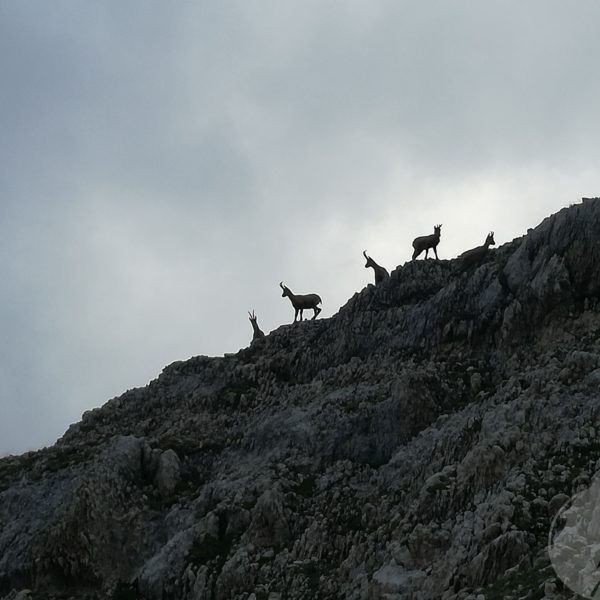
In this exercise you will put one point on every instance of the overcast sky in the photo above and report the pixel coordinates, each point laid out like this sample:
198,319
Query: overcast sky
164,165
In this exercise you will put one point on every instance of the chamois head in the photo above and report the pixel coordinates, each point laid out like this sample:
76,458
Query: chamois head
489,240
286,290
258,333
437,230
380,272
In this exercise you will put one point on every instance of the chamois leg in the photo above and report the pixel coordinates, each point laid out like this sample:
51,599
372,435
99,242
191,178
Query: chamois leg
317,311
426,253
416,253
296,314
435,250
301,313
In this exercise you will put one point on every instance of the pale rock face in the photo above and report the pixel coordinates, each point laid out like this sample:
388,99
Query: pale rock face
415,446
168,472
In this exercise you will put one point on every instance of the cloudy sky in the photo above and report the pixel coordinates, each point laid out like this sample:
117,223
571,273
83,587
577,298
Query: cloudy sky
164,165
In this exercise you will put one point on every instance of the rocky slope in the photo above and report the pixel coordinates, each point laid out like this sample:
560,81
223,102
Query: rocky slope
416,445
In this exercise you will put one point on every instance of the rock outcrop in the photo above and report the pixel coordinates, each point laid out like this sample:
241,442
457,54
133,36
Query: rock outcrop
414,446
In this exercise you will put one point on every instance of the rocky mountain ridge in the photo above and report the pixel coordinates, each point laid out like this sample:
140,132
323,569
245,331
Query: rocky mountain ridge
416,445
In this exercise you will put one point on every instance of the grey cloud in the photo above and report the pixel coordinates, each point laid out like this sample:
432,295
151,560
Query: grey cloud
162,168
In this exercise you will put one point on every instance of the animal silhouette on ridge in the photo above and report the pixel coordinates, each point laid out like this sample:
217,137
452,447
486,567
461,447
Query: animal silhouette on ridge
301,301
258,334
380,272
427,242
475,255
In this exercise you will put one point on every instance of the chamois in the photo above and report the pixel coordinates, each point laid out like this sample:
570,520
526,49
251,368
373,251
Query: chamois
301,301
426,242
380,272
475,255
258,334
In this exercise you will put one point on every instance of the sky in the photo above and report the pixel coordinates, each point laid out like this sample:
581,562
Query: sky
163,166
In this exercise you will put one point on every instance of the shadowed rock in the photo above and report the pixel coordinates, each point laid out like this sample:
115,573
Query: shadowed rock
415,444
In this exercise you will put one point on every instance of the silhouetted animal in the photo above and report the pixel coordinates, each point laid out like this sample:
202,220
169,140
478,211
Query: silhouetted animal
380,272
301,301
258,334
426,242
475,255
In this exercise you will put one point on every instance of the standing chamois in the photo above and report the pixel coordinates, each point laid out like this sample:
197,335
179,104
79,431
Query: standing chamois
475,255
380,272
426,242
301,301
258,334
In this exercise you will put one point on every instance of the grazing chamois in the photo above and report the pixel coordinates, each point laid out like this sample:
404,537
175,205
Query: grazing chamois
426,242
475,255
301,301
258,334
380,272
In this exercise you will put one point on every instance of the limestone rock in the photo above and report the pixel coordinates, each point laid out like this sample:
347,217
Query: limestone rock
414,446
168,472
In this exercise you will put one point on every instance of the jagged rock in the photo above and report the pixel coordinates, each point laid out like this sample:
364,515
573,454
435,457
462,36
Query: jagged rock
269,526
394,579
18,595
498,556
416,445
125,455
168,472
556,503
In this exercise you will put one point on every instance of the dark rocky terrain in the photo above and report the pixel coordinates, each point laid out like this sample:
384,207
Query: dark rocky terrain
414,446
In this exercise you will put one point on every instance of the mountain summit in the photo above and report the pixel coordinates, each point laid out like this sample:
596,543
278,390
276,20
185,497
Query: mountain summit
416,445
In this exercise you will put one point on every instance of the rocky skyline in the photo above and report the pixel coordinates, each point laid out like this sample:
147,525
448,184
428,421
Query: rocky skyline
416,445
164,166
